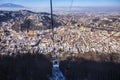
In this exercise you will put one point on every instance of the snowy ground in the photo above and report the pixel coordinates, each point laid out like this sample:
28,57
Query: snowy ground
56,73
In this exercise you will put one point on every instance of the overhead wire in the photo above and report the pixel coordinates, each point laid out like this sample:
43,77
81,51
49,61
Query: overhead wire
70,11
52,21
52,25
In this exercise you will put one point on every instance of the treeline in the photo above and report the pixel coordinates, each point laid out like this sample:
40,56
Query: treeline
90,66
25,67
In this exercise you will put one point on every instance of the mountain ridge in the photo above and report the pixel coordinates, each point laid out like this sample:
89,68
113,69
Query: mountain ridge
11,5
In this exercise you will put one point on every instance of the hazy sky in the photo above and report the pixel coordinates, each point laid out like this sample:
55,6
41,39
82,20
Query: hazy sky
67,3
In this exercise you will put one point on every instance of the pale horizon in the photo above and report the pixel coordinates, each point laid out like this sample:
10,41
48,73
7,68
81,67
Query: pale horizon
62,3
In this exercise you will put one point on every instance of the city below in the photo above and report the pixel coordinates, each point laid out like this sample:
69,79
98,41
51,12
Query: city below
82,43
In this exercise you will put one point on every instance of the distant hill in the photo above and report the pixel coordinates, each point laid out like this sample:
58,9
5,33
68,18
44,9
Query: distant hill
11,5
29,19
